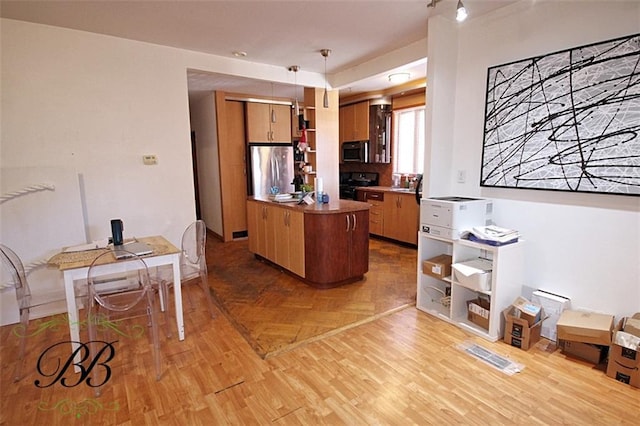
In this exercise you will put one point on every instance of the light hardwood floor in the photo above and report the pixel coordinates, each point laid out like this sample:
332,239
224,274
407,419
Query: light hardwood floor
401,369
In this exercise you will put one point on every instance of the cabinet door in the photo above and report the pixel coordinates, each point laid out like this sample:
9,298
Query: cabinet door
361,121
401,217
359,244
269,224
296,243
260,224
254,221
409,218
347,123
258,122
391,216
327,240
281,236
280,121
233,169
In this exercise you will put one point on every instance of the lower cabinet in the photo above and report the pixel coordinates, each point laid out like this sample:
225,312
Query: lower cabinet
401,217
326,248
337,246
289,240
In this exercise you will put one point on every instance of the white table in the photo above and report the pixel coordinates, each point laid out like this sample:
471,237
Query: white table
74,269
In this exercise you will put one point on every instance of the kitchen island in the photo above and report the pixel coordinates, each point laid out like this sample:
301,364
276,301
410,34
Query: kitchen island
325,245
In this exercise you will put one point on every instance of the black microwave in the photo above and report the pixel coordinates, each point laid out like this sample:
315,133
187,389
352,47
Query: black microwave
355,152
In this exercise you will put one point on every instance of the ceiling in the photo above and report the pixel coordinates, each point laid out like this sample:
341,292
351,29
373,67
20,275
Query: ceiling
271,32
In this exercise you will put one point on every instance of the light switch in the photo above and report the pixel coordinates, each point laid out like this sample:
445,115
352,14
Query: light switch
149,160
462,176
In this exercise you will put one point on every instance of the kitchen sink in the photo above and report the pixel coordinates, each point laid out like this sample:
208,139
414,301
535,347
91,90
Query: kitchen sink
408,190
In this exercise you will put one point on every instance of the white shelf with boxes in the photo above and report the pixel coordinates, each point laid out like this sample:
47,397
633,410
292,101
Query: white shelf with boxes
447,293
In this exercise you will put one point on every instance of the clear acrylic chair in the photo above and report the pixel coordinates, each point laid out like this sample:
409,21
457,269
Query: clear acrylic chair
117,292
13,275
193,261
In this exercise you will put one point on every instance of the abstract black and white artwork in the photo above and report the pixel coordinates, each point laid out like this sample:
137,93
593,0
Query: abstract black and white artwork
567,121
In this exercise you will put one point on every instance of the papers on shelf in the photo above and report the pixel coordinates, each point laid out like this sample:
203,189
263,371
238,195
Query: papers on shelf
492,235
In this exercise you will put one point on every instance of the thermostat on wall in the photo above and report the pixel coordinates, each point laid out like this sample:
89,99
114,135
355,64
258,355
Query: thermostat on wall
149,160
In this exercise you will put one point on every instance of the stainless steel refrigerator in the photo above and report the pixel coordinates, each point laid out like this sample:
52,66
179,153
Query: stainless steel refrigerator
271,167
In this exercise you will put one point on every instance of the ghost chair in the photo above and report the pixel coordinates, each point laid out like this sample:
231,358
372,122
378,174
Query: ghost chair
14,276
193,262
117,293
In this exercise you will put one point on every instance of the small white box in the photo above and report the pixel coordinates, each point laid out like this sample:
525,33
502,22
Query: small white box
473,274
553,306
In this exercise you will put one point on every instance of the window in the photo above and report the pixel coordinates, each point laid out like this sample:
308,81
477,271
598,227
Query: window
408,149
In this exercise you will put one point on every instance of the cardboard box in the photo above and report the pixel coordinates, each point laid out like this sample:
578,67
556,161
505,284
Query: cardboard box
553,306
594,354
478,311
518,332
528,311
585,327
474,274
438,267
624,362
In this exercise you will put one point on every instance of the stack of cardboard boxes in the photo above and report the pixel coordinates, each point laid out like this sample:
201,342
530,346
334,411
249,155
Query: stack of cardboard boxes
624,352
591,336
585,335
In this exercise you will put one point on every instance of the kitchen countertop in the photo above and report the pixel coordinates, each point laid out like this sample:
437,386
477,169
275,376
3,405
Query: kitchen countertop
334,206
387,189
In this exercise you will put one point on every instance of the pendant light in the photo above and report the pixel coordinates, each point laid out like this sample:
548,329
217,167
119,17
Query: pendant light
296,105
325,98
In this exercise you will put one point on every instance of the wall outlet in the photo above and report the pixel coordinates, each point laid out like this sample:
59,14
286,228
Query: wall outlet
149,160
462,176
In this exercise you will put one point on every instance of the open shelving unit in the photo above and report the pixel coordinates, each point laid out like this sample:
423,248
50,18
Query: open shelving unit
447,299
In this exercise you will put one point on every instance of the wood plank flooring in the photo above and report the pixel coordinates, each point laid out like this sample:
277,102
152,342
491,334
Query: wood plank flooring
403,368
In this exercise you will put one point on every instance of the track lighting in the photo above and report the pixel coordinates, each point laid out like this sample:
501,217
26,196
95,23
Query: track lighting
461,12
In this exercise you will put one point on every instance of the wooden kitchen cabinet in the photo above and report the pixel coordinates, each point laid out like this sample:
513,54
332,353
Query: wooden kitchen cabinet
338,247
261,229
268,123
289,239
326,245
401,217
354,122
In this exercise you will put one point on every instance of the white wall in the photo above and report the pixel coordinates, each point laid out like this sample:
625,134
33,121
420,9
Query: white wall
204,123
584,246
89,106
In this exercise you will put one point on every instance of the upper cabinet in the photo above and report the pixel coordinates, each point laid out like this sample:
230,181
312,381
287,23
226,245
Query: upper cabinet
354,122
270,123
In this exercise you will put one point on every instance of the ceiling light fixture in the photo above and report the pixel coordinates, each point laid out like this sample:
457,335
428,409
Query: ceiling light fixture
239,54
461,12
325,98
296,106
399,77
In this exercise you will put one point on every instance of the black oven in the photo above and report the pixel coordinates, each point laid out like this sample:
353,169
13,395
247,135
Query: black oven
355,152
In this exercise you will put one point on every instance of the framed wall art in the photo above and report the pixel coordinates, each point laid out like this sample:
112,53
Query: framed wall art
566,121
